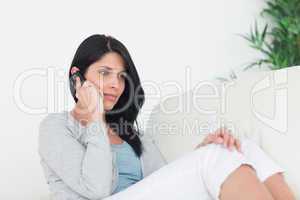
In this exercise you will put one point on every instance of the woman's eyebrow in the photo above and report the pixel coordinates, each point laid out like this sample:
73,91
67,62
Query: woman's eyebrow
109,68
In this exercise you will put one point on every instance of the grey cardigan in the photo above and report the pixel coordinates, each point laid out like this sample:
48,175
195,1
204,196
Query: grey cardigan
78,162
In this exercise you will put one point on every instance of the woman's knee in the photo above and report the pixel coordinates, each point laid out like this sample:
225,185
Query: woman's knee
244,184
278,187
218,163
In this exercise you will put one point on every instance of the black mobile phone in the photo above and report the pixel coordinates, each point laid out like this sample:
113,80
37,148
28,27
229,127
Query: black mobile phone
73,81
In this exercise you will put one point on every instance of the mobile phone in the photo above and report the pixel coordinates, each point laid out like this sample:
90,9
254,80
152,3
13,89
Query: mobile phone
73,81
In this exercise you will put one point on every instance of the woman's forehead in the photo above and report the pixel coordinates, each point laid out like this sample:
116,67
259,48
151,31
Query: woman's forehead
111,61
117,69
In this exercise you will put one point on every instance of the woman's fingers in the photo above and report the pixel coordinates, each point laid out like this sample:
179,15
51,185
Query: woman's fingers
238,145
225,138
78,93
231,142
222,136
101,93
217,139
228,139
208,139
77,85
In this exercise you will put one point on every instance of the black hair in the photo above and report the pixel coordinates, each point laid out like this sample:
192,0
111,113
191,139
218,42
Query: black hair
124,113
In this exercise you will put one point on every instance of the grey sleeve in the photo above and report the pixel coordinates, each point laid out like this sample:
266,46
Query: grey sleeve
86,169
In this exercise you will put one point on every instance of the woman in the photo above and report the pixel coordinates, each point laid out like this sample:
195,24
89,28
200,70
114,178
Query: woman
95,151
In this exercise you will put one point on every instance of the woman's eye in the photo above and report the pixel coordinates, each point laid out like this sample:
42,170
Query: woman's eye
123,75
103,72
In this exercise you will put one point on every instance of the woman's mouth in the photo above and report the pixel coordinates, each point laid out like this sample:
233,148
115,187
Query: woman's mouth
110,97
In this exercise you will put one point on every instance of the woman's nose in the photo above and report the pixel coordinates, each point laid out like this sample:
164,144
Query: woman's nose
114,82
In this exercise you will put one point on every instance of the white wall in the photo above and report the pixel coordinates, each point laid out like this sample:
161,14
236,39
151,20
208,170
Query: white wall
165,38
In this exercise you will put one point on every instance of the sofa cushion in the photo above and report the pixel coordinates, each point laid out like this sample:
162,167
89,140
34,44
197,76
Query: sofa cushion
262,106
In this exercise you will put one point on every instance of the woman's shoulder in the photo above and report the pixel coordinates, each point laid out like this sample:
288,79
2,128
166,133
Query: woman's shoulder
53,121
54,117
55,131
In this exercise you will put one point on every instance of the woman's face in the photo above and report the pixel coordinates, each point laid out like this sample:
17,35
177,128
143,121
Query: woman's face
108,74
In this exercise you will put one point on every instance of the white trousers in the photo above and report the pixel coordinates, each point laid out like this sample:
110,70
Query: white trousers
199,174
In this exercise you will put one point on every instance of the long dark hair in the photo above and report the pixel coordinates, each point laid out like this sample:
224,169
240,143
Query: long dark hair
124,114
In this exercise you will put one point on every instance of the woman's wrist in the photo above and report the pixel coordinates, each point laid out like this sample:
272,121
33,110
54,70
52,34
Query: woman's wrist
96,116
86,116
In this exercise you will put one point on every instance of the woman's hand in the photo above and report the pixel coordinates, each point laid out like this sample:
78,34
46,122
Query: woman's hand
89,106
221,136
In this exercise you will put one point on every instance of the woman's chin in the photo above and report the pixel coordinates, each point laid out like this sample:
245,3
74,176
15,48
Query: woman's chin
108,108
108,105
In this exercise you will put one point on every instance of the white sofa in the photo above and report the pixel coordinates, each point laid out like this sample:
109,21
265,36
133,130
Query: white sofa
179,128
261,105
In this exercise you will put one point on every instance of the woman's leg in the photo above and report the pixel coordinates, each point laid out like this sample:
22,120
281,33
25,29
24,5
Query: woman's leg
199,175
244,184
279,188
268,171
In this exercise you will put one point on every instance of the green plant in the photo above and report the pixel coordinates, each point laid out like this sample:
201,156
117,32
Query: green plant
281,45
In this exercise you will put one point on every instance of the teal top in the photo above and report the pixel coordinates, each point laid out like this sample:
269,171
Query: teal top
128,165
